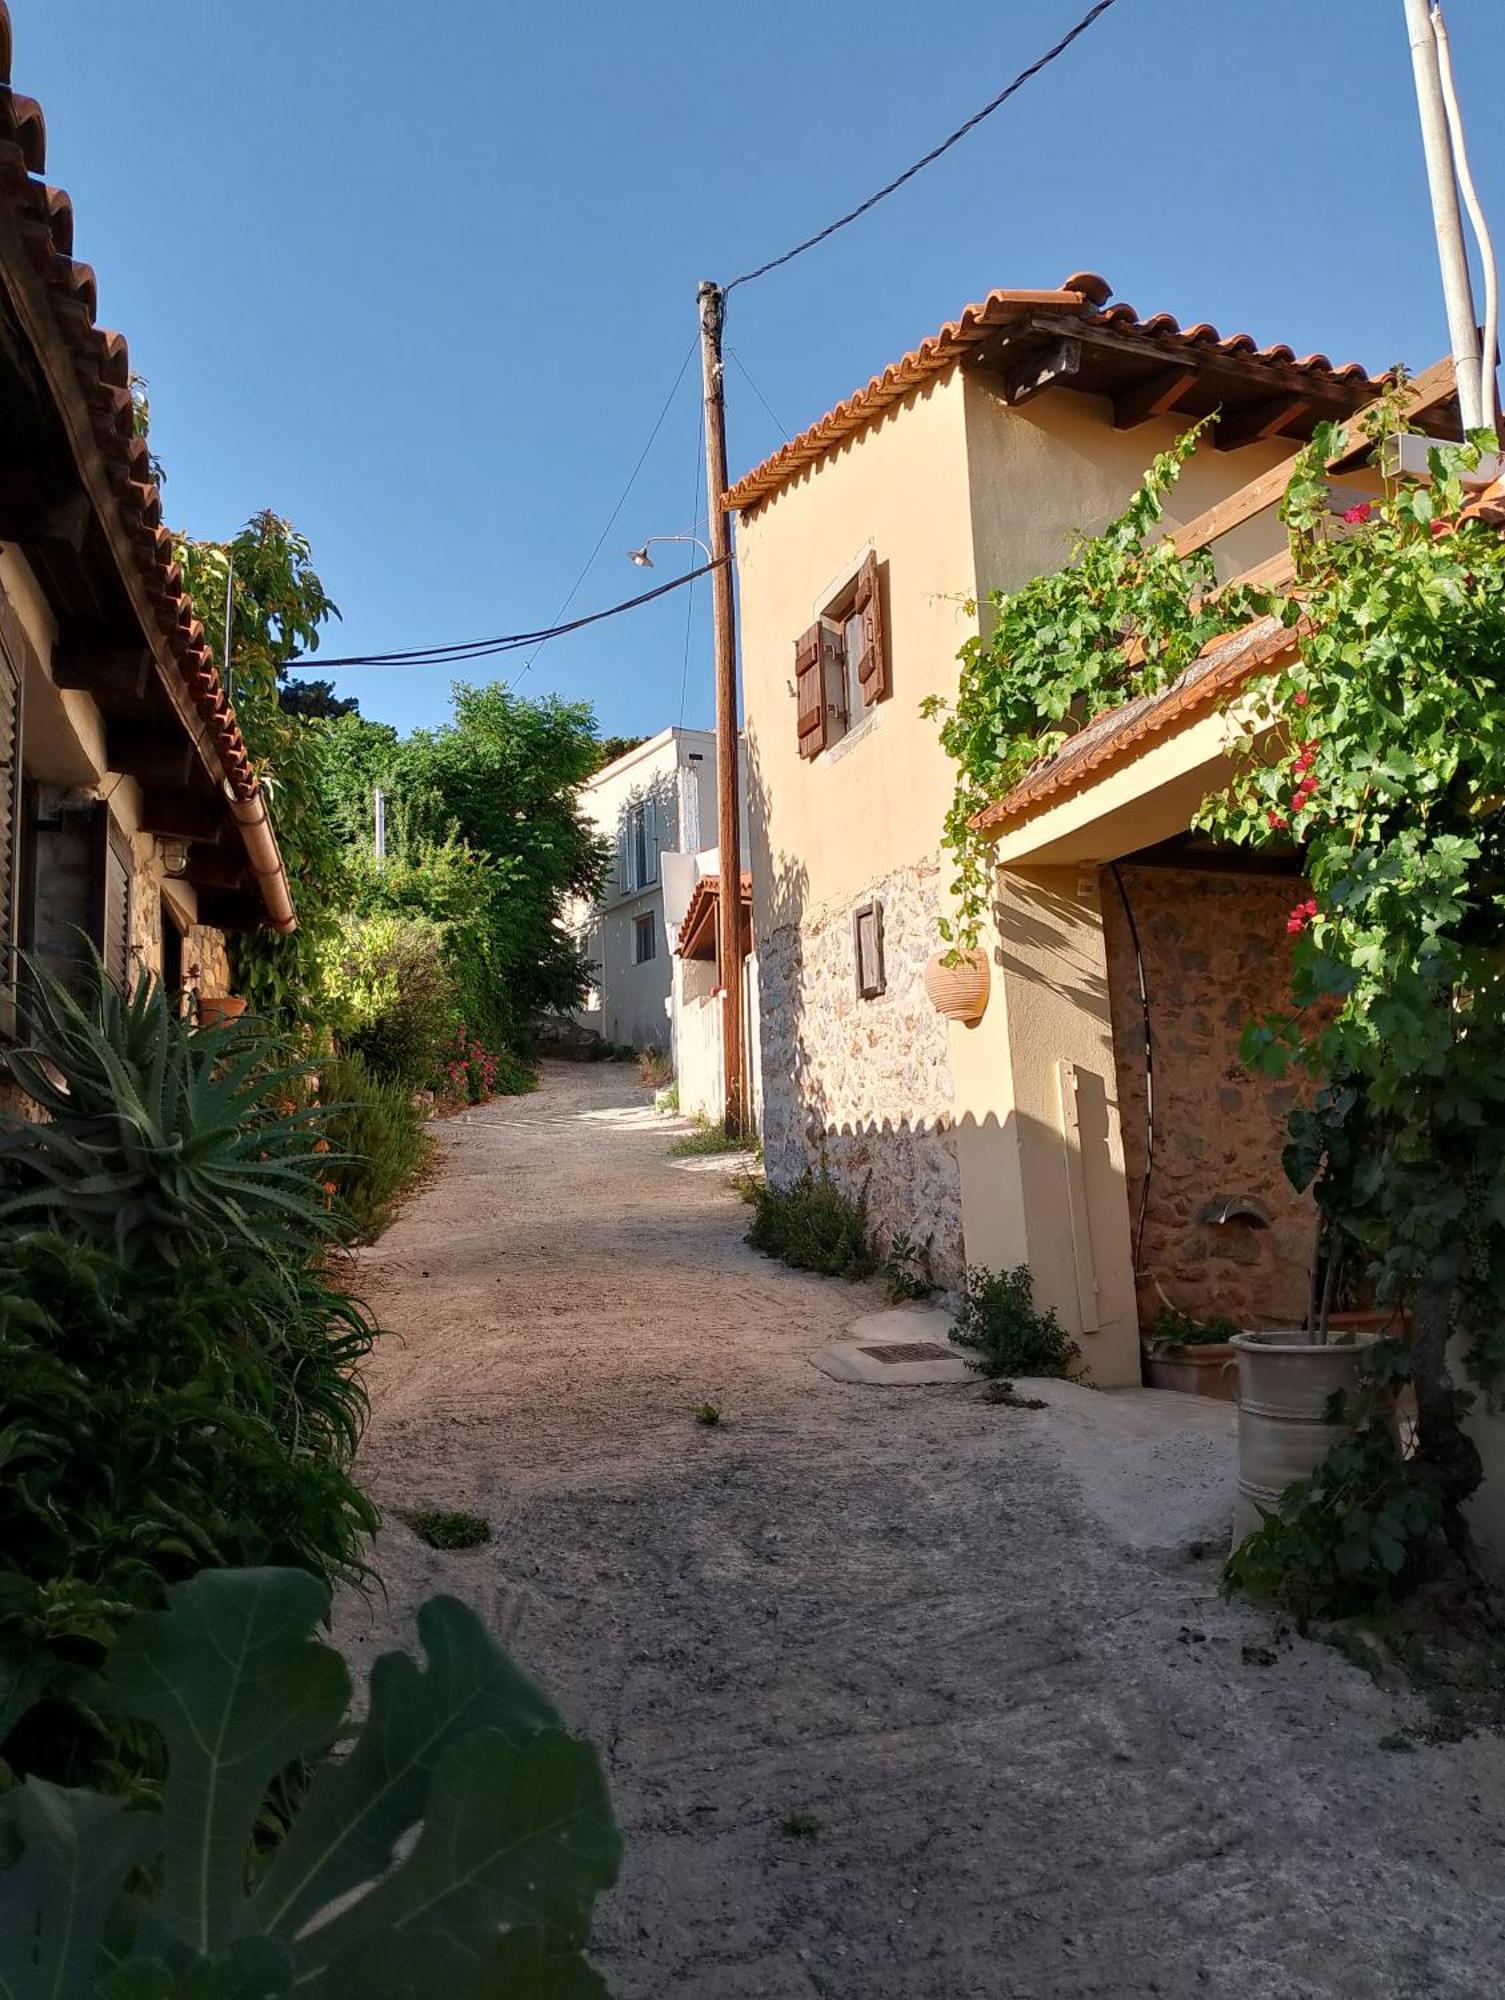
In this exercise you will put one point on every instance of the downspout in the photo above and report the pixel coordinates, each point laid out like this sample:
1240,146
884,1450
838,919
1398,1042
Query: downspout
265,858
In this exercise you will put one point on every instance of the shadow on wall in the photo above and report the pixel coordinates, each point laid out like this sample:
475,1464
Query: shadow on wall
831,1057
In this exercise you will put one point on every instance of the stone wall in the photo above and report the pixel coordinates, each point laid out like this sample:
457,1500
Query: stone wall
1214,956
862,1088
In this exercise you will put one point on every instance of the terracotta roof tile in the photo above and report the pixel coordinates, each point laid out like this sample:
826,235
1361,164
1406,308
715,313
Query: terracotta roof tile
1080,302
102,361
697,931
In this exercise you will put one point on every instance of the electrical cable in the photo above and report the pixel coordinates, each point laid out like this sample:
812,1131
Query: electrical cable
1149,1066
507,642
621,503
1025,76
684,677
778,423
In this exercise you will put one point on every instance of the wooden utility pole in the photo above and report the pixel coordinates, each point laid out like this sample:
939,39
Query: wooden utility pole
724,633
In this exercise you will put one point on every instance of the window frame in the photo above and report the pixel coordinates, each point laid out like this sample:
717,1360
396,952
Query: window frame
871,981
644,928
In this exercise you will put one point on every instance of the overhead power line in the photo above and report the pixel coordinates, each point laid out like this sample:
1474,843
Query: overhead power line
506,642
585,568
1025,76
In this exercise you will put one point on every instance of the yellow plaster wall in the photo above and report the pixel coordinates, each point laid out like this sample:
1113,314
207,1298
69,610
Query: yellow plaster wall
823,831
1054,469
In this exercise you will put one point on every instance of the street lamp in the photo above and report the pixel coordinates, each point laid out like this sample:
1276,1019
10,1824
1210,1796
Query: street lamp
645,561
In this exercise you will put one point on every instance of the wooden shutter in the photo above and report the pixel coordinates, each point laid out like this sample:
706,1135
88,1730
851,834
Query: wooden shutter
810,690
867,950
872,661
113,901
10,792
624,852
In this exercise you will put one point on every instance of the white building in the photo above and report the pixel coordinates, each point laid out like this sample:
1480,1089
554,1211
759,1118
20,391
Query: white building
658,985
658,800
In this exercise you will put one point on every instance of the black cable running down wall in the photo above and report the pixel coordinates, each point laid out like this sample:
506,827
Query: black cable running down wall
1149,1064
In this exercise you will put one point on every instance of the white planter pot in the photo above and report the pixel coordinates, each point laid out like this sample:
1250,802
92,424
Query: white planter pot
1285,1382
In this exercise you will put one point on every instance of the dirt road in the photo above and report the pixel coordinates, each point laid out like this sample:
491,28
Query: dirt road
968,1642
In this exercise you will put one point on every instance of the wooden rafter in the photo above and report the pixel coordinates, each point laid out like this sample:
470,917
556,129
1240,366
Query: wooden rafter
1156,396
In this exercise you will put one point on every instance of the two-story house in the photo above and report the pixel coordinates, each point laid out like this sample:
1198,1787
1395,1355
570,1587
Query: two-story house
657,800
868,548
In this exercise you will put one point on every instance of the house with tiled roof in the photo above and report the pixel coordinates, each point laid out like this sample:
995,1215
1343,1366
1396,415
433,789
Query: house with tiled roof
129,807
868,550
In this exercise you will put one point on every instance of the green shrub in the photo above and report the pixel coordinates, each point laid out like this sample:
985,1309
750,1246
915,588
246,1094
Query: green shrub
1360,1531
179,1367
813,1226
708,1138
380,1145
394,997
455,1842
1171,1330
158,1418
1007,1333
164,1142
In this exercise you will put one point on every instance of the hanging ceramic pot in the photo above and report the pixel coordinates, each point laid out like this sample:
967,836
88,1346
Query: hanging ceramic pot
960,990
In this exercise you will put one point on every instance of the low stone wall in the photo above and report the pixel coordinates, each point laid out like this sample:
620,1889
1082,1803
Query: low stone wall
1214,956
862,1088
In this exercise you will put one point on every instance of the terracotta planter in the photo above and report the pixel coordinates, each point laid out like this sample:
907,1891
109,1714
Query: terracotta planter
215,1009
960,992
1285,1384
1205,1370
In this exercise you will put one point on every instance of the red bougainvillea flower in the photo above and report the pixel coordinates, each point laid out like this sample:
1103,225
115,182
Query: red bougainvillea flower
1441,528
1355,515
1301,697
1278,820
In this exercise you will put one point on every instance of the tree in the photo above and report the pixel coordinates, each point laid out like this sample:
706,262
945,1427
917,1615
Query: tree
279,607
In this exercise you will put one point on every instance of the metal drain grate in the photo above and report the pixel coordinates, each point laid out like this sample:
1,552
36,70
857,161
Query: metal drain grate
912,1350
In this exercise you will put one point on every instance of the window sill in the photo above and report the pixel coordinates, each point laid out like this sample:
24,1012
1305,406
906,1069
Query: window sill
846,744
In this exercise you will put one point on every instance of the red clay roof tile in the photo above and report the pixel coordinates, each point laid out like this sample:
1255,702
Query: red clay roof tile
103,367
1081,301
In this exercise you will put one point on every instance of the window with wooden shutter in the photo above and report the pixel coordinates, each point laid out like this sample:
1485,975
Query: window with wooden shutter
114,901
867,950
872,656
810,692
10,793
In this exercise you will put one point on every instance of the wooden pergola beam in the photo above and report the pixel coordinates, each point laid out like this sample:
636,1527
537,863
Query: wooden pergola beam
1156,396
1424,392
1259,421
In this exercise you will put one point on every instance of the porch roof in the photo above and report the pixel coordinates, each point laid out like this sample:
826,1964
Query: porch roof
697,934
115,549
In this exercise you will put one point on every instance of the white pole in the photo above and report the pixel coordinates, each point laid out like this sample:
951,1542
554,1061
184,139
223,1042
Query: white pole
379,799
1452,253
1476,216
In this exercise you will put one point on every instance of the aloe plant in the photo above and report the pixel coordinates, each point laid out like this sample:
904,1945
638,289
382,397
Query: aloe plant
457,1844
155,1138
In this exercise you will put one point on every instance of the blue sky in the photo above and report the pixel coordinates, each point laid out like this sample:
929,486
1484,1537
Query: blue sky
420,278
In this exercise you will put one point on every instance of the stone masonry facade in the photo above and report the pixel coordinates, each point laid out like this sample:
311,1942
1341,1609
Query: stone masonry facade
861,1088
1214,956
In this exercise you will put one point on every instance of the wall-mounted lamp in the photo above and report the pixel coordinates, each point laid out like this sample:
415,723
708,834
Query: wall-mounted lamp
174,853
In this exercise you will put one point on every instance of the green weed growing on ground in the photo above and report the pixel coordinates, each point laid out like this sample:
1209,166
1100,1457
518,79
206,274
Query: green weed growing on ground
812,1226
1008,1334
707,1139
447,1528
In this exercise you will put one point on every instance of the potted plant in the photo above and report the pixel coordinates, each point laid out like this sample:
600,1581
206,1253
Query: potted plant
957,983
1189,1355
215,1009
